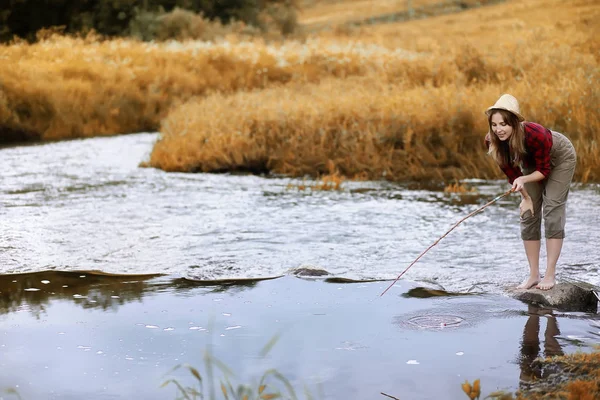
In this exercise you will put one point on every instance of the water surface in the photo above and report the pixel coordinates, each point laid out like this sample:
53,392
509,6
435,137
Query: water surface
86,205
74,336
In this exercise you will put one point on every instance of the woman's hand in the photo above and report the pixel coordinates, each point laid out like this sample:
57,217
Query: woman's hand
519,184
526,204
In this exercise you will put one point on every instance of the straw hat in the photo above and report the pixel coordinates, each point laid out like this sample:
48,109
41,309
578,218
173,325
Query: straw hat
508,103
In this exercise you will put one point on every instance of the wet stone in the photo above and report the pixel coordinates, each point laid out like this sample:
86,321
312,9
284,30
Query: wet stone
308,271
567,296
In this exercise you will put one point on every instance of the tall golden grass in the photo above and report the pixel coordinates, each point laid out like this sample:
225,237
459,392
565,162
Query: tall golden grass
417,118
65,87
399,101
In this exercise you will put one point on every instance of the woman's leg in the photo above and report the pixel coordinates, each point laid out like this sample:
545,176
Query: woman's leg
532,250
554,202
553,248
531,234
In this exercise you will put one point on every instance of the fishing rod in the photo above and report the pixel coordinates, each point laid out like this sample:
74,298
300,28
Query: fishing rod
445,234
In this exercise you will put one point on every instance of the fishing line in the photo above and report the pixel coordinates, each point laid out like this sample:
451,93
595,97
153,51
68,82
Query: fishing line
480,209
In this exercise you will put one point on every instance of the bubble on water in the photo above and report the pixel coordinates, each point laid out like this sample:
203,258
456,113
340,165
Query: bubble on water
227,314
412,362
168,329
151,326
84,348
114,297
45,282
460,353
195,328
99,352
78,296
32,289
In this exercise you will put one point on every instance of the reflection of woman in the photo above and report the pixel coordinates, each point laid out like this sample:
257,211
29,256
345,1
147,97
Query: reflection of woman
539,163
530,347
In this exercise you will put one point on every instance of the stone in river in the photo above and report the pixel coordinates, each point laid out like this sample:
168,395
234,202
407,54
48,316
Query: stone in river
568,295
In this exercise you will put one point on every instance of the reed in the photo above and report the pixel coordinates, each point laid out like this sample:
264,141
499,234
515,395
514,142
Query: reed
69,87
396,101
411,118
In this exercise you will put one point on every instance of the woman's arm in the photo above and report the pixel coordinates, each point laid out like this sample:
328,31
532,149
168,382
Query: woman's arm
519,183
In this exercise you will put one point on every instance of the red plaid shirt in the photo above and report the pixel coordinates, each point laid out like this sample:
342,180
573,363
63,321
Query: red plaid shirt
538,143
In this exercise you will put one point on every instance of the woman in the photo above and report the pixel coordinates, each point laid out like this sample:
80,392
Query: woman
539,163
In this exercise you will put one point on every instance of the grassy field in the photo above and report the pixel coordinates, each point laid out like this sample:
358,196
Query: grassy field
394,100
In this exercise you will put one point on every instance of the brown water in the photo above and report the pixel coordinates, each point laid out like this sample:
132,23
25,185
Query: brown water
73,336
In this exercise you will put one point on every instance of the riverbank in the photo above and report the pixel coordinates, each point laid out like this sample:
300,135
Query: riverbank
371,102
120,336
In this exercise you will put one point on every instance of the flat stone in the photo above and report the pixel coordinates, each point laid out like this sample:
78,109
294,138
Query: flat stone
570,295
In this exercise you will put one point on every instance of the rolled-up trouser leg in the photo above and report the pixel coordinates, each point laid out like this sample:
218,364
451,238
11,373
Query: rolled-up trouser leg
531,224
557,186
551,194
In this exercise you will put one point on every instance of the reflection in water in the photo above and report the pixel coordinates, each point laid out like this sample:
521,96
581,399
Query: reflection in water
34,291
96,290
530,346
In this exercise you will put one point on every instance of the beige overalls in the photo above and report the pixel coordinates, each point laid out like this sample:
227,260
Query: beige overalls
550,195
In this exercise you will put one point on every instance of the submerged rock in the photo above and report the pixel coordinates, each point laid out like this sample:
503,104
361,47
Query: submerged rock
309,272
568,296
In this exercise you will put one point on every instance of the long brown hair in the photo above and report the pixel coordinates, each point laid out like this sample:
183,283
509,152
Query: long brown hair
513,153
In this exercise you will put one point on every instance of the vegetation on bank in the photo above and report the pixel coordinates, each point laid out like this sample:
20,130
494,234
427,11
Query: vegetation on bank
569,377
416,117
394,100
23,18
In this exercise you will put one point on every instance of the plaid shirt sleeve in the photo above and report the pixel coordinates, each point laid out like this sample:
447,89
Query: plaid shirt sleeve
510,171
538,141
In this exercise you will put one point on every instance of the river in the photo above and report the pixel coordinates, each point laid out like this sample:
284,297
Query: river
70,208
86,205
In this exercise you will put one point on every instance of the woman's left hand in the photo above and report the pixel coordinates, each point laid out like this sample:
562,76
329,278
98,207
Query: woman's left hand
519,184
526,205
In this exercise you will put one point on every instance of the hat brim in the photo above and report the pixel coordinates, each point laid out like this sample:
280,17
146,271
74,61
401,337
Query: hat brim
489,111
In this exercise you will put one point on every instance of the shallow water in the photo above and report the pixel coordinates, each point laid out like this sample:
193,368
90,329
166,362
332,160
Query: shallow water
74,336
86,205
71,207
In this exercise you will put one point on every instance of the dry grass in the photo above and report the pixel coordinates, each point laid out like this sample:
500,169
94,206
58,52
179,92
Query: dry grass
321,13
399,101
79,87
419,118
582,373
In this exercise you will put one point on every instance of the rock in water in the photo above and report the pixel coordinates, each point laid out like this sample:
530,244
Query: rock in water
568,296
309,272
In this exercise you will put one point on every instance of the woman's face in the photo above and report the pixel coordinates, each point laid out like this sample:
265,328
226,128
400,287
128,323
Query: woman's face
502,129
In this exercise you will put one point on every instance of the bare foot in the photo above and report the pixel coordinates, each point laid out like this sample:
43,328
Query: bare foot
547,283
529,283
